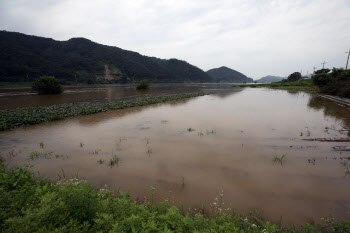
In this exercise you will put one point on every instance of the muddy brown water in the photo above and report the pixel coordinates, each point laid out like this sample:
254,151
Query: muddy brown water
230,153
18,97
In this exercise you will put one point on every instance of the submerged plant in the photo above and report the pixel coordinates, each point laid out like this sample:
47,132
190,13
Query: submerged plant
279,159
346,166
149,150
211,132
100,161
114,160
96,151
12,153
312,161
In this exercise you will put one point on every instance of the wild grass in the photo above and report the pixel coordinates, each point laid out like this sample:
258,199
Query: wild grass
279,159
149,150
32,204
300,85
96,151
46,155
13,118
114,160
100,161
346,166
312,161
12,153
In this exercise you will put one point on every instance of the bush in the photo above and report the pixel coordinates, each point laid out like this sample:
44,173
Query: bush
321,79
345,75
47,85
294,77
143,85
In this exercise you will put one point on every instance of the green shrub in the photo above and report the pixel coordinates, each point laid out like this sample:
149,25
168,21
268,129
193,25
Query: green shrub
321,79
47,85
143,85
345,75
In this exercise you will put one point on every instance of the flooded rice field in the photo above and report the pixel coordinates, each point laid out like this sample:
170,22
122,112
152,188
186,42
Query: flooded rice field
239,148
18,97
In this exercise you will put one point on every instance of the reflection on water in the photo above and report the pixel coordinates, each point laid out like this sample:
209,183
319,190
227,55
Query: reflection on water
21,97
231,149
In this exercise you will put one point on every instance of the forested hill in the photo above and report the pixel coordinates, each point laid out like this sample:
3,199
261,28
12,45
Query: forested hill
24,58
270,79
225,74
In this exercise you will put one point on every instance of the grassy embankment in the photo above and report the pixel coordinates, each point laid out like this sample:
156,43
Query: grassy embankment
30,204
12,118
300,85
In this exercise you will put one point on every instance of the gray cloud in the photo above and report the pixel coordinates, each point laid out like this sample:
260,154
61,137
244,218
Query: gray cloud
255,37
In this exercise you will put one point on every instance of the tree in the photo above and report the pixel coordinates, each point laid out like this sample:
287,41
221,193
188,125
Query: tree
143,85
321,79
47,85
294,77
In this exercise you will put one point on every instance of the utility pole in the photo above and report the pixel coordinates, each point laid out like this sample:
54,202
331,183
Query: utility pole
323,64
314,69
348,60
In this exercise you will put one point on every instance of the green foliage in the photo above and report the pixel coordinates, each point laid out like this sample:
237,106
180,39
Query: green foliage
294,77
12,118
300,85
345,75
143,85
47,85
321,79
29,204
335,83
80,60
322,71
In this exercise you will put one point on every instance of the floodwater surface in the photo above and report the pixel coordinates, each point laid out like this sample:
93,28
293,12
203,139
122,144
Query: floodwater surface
18,97
240,149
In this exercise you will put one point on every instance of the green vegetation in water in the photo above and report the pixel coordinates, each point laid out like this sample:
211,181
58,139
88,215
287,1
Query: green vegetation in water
349,133
31,204
312,161
143,85
279,159
114,160
46,155
190,129
47,85
346,166
100,161
299,85
12,118
81,144
41,144
149,150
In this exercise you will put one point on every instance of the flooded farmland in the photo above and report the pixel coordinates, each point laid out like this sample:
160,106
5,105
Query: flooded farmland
238,148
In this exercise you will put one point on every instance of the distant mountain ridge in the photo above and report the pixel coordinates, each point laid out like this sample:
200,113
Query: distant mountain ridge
25,58
270,79
228,75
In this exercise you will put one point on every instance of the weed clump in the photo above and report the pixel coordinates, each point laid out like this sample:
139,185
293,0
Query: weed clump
47,85
143,85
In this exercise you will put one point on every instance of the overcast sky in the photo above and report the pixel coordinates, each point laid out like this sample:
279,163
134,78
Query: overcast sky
255,37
